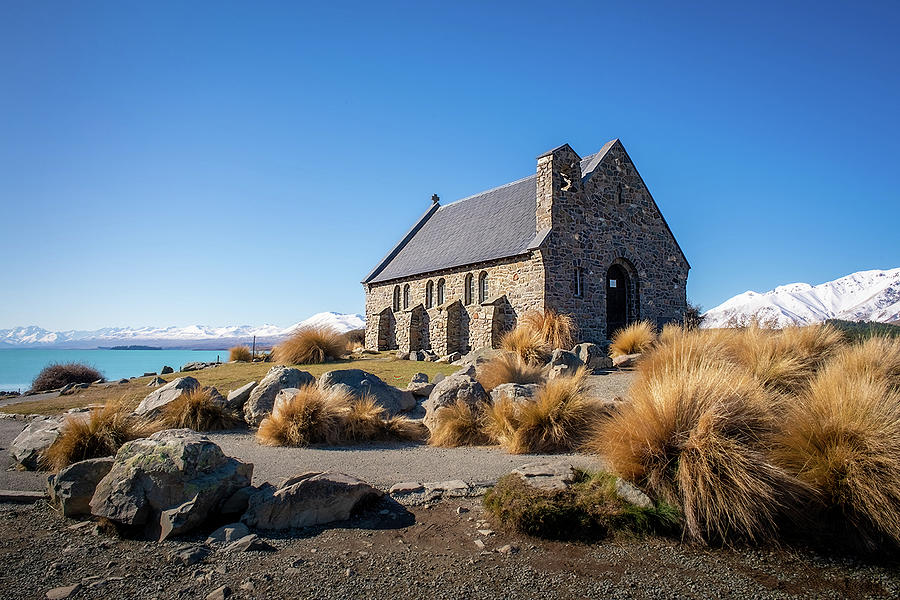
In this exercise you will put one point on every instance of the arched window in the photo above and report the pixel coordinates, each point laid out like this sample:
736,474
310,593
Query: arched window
429,294
482,287
579,282
396,298
468,291
441,289
405,296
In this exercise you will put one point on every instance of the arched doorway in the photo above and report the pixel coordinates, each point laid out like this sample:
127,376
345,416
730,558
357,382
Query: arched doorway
618,299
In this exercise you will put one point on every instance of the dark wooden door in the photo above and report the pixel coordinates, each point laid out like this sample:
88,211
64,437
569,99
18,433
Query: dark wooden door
617,290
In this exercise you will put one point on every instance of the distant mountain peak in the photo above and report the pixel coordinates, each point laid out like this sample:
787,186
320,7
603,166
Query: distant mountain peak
192,336
863,296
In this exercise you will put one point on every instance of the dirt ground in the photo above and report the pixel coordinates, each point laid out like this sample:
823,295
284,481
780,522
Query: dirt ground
419,552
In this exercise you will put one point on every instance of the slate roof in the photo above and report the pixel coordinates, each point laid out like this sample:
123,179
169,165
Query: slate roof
498,223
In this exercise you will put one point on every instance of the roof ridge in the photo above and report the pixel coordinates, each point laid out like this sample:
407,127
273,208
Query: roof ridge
494,189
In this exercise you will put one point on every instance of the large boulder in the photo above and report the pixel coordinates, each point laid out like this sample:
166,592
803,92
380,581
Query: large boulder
419,386
627,361
593,356
477,357
237,398
262,397
563,363
517,392
28,446
361,383
168,484
152,406
462,385
73,487
310,499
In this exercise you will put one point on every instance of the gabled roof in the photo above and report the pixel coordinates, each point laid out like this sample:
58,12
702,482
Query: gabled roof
498,223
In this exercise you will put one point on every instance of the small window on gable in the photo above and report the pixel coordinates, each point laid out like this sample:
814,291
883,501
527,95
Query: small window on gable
396,298
406,296
429,294
579,282
469,288
440,291
482,287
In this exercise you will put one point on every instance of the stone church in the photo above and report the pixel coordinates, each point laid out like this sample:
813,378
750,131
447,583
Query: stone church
582,236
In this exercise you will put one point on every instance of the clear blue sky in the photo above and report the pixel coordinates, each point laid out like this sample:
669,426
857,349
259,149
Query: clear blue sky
169,163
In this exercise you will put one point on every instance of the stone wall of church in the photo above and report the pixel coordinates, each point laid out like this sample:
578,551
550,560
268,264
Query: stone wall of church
610,218
515,285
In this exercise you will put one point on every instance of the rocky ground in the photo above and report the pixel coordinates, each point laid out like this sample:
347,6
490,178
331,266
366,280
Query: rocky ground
431,551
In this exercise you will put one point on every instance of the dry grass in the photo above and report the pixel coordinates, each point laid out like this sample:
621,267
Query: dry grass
57,375
671,333
527,343
459,424
508,368
696,434
842,437
240,354
557,329
196,410
633,339
875,357
557,420
101,434
333,416
311,345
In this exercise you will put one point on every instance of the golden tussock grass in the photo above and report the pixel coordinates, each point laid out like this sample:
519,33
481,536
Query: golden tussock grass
240,354
876,357
459,424
696,433
556,329
527,343
100,434
196,410
311,345
332,416
633,339
842,438
556,420
508,367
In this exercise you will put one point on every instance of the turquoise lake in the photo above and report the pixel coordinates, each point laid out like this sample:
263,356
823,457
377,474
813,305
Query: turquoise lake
19,366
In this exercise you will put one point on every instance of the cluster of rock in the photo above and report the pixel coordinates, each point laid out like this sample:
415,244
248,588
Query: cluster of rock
428,356
178,481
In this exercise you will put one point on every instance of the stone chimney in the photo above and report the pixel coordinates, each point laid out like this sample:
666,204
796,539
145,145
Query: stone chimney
558,178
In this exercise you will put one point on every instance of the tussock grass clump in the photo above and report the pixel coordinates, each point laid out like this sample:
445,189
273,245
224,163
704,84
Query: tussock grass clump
556,420
527,343
101,434
696,434
842,437
196,409
508,368
311,345
459,424
588,510
332,416
633,339
670,333
240,354
875,357
556,329
57,375
355,338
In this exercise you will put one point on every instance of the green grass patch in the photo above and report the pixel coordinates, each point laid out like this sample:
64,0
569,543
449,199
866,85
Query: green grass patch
587,510
863,330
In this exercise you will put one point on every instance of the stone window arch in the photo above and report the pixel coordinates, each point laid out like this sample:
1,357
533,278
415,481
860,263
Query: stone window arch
406,296
441,291
469,289
396,298
429,294
482,287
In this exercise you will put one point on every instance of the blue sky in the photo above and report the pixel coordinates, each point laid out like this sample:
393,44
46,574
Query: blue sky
171,163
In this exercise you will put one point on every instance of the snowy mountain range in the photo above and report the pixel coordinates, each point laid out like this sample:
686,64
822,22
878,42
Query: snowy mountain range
862,296
193,337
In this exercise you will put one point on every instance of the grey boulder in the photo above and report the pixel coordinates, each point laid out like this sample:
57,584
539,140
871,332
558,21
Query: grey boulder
462,385
168,484
73,487
39,435
262,397
517,392
310,499
563,363
593,356
152,406
362,383
627,361
166,370
228,533
476,357
419,385
237,398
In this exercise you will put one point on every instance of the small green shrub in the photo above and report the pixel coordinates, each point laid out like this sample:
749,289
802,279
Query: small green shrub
587,510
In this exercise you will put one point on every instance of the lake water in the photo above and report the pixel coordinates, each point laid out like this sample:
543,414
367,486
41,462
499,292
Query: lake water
19,366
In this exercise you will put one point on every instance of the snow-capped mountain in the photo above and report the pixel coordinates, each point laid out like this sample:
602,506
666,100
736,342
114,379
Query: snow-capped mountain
193,336
863,296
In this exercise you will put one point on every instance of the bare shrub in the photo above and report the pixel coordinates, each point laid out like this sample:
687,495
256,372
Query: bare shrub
57,375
